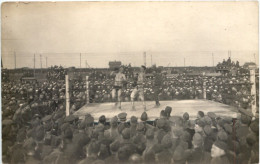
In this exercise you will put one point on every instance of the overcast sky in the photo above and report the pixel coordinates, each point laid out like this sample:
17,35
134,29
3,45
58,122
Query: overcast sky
105,31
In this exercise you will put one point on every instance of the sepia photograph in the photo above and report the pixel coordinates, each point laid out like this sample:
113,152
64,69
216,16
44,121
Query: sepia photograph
152,82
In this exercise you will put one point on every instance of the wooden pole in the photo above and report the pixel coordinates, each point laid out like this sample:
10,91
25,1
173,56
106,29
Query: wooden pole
67,96
87,90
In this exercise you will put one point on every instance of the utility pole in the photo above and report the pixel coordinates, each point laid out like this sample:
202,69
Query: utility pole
41,61
46,58
14,60
80,60
213,59
151,60
145,59
34,65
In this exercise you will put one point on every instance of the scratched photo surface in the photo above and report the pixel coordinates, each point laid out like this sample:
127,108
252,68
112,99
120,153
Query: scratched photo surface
130,82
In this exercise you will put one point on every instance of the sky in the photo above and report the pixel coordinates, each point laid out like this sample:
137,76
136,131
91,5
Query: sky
171,33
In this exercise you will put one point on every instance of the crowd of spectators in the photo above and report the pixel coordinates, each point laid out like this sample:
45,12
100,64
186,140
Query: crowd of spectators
35,128
33,136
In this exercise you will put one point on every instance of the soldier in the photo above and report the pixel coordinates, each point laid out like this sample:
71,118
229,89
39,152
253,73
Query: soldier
139,89
120,79
157,86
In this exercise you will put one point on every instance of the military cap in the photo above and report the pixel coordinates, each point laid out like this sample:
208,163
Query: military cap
228,128
46,118
160,135
114,120
222,136
140,127
200,122
68,134
122,116
93,147
168,111
124,153
186,136
207,129
89,120
133,120
70,118
186,116
126,133
102,119
150,134
254,126
207,120
163,114
221,122
103,152
201,114
251,138
245,119
161,123
178,153
220,144
144,116
166,141
114,146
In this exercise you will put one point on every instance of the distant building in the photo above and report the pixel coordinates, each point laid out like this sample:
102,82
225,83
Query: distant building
114,64
249,64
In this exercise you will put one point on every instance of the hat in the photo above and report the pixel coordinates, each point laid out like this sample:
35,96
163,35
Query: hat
114,146
201,114
122,116
126,133
222,136
200,122
102,119
133,120
161,123
228,128
207,129
144,116
186,116
140,127
207,120
220,144
150,134
89,120
114,120
245,119
166,141
46,118
168,111
254,126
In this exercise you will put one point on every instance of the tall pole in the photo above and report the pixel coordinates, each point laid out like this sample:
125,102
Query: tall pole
46,58
14,60
41,61
144,58
213,59
34,65
87,90
67,95
80,60
151,60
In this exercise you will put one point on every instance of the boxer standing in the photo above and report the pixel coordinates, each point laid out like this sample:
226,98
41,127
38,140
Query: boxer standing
139,88
120,79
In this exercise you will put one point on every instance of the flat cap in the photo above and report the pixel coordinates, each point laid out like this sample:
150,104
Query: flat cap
144,116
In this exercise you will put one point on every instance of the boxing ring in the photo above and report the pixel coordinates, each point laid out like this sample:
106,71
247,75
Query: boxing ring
179,107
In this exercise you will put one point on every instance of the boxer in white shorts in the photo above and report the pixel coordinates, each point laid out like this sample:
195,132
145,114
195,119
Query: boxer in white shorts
139,88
